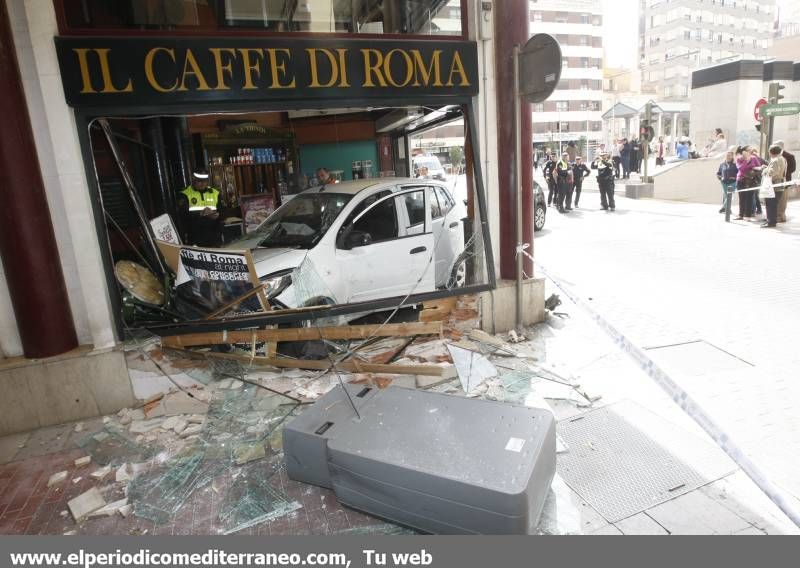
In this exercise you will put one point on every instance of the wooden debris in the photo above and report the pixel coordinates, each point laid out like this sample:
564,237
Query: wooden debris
437,310
353,366
303,334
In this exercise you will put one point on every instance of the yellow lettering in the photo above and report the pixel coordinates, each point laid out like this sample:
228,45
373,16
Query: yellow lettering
105,71
148,69
387,68
343,67
250,67
373,68
84,65
458,68
433,70
191,68
312,62
217,53
279,69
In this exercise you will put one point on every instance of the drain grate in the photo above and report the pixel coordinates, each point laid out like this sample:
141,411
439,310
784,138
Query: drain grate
622,460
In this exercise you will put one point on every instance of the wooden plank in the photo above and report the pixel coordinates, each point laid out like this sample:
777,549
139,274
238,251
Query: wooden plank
437,310
303,334
324,365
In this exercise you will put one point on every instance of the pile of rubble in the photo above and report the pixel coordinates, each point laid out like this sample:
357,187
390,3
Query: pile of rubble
217,426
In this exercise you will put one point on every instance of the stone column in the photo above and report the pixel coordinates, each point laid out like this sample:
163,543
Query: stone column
28,246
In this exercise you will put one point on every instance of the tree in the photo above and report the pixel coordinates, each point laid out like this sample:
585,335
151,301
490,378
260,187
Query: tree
456,155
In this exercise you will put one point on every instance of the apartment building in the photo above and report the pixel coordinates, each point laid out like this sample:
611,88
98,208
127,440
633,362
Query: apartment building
678,37
573,112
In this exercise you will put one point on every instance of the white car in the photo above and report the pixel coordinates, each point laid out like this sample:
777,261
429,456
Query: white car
358,241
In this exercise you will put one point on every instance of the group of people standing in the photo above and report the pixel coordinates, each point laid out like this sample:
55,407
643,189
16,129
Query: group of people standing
565,177
742,172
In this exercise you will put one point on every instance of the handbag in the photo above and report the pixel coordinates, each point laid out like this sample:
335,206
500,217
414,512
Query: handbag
766,191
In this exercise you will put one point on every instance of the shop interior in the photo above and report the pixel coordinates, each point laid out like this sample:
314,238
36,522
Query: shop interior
261,161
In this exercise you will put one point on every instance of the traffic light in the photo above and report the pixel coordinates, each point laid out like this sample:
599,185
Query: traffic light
775,92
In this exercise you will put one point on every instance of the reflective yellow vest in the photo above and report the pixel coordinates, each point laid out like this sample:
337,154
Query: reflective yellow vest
199,201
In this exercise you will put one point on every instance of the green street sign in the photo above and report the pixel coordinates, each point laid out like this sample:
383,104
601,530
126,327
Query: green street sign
781,109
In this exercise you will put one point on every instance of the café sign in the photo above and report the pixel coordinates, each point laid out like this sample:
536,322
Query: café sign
141,71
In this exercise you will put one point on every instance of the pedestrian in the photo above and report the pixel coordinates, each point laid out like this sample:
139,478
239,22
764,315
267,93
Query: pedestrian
660,152
717,146
605,180
726,174
791,167
748,167
615,157
572,151
535,159
625,152
756,200
549,170
564,179
579,171
776,172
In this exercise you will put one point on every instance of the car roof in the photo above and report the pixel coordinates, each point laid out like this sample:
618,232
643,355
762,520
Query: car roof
357,186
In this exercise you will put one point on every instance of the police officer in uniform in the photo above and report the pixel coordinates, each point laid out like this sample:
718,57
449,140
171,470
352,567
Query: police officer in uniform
199,205
564,181
548,170
605,179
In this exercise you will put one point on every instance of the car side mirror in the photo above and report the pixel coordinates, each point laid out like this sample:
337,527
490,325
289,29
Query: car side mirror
355,239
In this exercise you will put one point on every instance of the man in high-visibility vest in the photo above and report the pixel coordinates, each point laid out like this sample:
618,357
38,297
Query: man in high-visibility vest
199,204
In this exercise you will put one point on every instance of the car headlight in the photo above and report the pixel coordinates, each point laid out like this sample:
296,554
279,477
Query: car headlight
275,284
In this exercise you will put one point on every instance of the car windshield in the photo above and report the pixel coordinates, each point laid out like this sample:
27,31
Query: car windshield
303,221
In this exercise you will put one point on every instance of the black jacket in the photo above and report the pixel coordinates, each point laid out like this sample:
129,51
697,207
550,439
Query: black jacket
548,169
605,169
727,171
579,172
791,165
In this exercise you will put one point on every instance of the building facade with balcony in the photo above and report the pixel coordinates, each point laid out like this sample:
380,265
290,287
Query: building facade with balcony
678,37
574,110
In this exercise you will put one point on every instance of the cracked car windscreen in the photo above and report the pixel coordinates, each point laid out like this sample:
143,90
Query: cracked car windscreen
303,221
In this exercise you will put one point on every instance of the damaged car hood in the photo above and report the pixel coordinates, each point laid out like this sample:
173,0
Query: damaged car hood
270,260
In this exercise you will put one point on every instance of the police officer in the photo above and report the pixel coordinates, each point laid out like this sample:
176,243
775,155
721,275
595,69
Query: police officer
200,205
564,179
549,176
605,179
579,171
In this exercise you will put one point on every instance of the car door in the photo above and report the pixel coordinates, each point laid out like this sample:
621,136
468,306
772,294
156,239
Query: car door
449,233
392,262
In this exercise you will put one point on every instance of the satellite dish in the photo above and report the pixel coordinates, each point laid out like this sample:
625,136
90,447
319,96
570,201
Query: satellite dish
539,68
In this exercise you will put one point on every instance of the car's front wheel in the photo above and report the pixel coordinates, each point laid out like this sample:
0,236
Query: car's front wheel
539,217
458,276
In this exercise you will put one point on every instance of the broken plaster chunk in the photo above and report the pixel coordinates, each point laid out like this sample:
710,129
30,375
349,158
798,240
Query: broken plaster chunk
196,419
78,427
57,478
125,510
86,503
248,452
144,426
192,430
124,473
83,462
179,426
109,509
169,423
101,473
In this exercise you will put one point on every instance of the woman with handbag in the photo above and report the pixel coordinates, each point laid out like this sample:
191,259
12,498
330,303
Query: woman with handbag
747,181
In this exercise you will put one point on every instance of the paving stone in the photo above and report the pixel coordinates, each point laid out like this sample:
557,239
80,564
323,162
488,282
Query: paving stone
696,513
640,524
